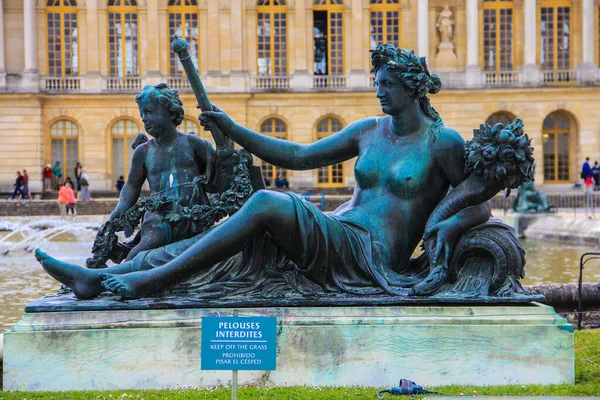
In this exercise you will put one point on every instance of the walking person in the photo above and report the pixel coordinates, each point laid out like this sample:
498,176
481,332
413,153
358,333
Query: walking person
26,191
47,176
589,197
57,172
63,198
77,171
120,183
18,186
70,198
85,186
586,169
596,175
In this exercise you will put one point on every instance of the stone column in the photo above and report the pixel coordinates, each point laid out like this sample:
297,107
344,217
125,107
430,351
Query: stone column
423,28
472,71
2,63
300,78
29,35
30,78
153,43
530,73
358,16
588,71
93,77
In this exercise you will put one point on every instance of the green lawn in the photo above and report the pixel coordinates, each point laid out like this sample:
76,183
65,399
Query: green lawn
587,372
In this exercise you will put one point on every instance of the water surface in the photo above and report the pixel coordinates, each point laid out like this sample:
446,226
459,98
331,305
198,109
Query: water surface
22,279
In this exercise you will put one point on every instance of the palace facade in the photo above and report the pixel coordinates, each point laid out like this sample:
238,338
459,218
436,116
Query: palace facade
293,69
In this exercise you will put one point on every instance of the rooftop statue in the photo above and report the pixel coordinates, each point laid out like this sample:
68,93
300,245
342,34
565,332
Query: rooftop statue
277,248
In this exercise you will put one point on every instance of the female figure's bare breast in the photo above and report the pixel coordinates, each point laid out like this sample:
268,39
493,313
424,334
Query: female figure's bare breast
398,184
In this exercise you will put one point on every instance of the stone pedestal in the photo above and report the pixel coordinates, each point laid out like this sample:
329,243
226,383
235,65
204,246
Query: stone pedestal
445,59
530,75
376,346
521,221
301,80
589,73
473,76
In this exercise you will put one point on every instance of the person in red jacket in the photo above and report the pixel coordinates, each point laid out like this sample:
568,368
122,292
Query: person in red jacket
25,188
70,194
47,175
63,198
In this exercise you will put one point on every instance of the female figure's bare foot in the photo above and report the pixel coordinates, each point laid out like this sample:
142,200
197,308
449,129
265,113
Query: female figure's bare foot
84,282
129,286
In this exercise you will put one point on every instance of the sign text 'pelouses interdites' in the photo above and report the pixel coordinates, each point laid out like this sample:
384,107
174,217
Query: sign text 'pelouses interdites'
239,343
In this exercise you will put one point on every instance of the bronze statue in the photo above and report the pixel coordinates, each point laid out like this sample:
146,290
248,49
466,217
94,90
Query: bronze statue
279,246
531,200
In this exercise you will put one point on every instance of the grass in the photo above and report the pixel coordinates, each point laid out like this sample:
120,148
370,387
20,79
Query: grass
587,377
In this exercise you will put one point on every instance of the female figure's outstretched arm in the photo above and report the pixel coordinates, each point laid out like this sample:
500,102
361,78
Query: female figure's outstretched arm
334,149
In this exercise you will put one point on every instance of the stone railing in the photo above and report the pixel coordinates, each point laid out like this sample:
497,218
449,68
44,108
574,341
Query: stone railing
61,83
559,77
500,78
271,82
179,82
303,82
121,84
328,81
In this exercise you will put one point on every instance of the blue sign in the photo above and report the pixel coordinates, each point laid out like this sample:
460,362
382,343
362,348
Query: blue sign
239,343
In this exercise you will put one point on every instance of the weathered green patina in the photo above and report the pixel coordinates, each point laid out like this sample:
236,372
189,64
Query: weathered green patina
279,248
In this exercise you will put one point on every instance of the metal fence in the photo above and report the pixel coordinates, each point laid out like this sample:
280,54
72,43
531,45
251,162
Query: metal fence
582,204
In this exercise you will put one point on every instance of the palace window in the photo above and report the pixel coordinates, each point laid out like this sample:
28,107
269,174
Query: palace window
555,134
62,34
123,133
555,37
190,126
276,128
503,117
332,175
122,38
385,22
498,35
271,37
183,21
64,144
328,37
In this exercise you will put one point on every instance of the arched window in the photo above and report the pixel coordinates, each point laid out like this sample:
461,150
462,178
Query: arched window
62,34
555,35
502,117
183,21
122,38
328,39
498,35
385,22
332,175
273,127
555,133
123,133
188,126
271,38
64,144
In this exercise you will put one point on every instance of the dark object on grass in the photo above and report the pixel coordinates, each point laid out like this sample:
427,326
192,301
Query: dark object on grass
405,388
